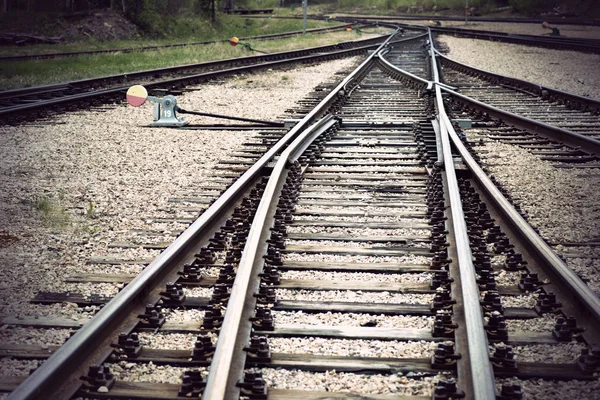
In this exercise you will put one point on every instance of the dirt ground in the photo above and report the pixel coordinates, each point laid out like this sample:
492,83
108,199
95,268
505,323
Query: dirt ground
101,25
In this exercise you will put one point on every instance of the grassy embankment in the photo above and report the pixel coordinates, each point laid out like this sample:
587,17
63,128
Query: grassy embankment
32,73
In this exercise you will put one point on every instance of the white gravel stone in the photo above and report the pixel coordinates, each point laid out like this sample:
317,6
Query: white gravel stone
35,337
177,315
545,353
102,175
354,296
408,259
567,70
351,319
539,389
358,232
423,277
525,301
11,367
352,348
543,324
333,381
134,372
171,341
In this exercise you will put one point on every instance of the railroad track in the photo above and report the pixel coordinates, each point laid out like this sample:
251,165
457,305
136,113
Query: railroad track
46,56
21,104
374,183
554,42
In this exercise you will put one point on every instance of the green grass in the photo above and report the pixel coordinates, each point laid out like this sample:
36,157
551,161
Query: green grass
19,74
52,212
183,30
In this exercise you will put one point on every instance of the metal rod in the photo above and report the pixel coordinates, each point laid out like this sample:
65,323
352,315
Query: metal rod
271,123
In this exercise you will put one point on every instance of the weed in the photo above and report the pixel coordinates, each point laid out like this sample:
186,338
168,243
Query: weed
52,212
91,212
285,77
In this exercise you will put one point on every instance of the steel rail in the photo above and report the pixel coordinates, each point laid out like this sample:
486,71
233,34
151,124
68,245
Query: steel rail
208,64
584,143
205,76
220,379
534,87
225,369
557,21
482,382
61,363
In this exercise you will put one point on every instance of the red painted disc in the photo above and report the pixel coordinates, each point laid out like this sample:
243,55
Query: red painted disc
137,95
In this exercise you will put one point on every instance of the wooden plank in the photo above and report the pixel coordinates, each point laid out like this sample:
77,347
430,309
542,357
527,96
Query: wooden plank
358,225
337,202
363,251
352,307
148,246
359,213
319,363
374,163
285,394
26,352
195,200
45,322
10,383
382,182
355,285
138,390
108,260
83,300
351,332
417,170
373,239
100,278
350,266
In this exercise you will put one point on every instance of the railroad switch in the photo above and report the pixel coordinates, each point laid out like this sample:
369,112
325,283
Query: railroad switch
166,109
128,345
554,30
99,378
253,386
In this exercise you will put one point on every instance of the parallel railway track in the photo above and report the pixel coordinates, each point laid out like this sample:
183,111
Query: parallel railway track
374,182
22,103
